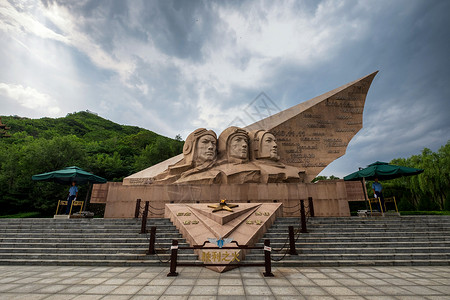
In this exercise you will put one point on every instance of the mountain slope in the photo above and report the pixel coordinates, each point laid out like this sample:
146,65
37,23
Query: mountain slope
83,139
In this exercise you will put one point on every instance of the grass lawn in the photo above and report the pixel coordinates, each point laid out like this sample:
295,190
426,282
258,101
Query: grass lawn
32,214
418,212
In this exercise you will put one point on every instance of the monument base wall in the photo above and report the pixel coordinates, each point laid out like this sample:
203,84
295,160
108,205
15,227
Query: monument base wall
330,197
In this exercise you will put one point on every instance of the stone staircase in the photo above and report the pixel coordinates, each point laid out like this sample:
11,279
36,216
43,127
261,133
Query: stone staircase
85,242
355,241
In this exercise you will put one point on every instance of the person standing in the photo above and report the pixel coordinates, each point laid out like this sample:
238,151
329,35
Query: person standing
378,193
73,193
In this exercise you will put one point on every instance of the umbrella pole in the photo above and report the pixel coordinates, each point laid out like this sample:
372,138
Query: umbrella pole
366,198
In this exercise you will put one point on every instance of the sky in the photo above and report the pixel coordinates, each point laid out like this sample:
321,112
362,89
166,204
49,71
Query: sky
174,66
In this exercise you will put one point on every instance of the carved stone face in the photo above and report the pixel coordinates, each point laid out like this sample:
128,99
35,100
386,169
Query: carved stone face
269,147
206,149
239,146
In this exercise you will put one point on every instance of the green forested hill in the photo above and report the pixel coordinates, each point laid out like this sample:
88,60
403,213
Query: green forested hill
83,139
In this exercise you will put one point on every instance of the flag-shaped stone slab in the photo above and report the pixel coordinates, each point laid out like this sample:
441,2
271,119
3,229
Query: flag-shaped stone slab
245,224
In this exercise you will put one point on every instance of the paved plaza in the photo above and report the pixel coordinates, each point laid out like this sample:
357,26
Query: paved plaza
57,282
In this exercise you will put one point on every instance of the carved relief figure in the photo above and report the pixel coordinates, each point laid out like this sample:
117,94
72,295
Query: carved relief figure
228,160
233,146
200,155
234,157
268,148
264,151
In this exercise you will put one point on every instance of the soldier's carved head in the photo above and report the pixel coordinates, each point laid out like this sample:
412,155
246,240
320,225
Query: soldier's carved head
264,145
200,147
206,148
233,144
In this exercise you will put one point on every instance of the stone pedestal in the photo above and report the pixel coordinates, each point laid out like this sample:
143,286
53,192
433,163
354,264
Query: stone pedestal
330,197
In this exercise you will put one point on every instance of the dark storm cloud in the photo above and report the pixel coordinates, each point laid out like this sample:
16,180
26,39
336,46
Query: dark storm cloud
408,104
172,66
177,28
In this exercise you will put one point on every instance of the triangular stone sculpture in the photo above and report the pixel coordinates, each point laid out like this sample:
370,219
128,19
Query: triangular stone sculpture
246,224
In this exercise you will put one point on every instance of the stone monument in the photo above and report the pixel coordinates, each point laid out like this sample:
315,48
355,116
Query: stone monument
272,160
308,136
262,170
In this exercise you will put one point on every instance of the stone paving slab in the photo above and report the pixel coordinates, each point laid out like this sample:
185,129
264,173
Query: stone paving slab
132,283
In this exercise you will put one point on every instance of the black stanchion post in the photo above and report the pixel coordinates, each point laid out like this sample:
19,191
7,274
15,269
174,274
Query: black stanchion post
138,208
173,259
144,218
292,250
151,245
303,216
267,260
311,206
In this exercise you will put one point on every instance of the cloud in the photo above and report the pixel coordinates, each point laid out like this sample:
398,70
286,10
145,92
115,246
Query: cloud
30,98
214,50
56,23
173,66
21,19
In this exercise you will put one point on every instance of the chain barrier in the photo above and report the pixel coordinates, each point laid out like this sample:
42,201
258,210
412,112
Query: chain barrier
152,209
289,207
160,248
309,213
297,233
141,211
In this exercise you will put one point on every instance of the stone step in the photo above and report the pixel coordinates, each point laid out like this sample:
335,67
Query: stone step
5,228
103,222
361,239
85,232
92,256
366,235
164,244
355,256
101,240
80,235
72,250
358,220
356,227
72,223
114,263
366,250
351,263
407,244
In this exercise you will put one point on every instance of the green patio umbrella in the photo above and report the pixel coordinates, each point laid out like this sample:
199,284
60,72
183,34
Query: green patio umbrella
69,174
382,171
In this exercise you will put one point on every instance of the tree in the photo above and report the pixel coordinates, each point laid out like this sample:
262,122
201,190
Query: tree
431,189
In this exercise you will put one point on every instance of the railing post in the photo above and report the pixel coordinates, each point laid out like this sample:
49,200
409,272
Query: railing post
292,250
311,206
267,260
173,259
303,216
138,208
151,245
144,219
